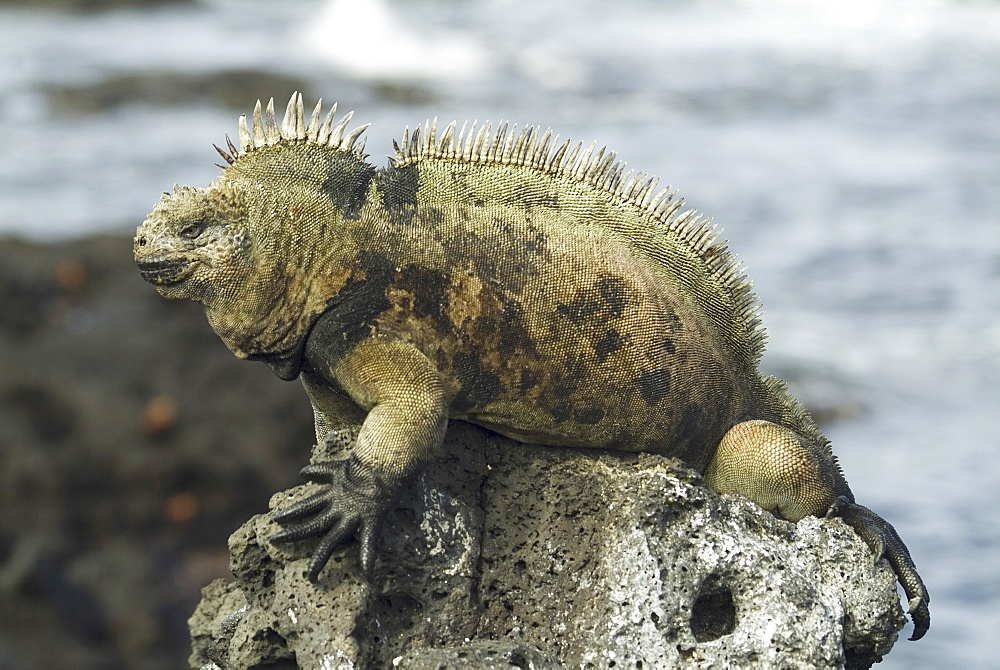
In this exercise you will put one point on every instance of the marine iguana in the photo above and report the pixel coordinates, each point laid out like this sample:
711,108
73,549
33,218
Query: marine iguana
497,276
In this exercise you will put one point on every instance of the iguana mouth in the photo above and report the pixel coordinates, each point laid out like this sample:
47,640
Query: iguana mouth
165,271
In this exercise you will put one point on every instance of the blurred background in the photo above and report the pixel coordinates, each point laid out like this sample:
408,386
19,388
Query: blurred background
850,149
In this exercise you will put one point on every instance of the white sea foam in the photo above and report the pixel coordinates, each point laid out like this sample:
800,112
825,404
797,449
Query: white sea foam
373,38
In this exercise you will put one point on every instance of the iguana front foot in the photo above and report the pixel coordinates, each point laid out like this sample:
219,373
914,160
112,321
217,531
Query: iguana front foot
883,540
352,503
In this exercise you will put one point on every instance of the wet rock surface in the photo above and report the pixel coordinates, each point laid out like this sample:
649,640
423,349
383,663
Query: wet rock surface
503,554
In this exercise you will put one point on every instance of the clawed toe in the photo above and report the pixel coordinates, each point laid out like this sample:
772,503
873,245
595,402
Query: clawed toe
324,550
304,507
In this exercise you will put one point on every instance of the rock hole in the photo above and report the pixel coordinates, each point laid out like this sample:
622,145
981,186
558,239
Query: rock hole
398,611
713,613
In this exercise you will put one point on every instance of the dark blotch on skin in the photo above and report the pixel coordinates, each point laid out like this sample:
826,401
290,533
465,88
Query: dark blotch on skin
399,188
578,309
654,385
513,312
607,345
568,377
690,435
351,314
691,418
432,216
429,289
606,299
528,379
512,335
614,292
347,183
589,415
479,386
465,245
500,325
536,244
560,412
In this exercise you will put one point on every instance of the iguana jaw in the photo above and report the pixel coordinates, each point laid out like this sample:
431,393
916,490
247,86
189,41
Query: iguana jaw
166,271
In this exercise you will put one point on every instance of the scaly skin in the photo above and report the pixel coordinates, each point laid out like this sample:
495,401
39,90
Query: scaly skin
500,278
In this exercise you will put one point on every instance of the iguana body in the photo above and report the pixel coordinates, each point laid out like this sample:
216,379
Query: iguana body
500,278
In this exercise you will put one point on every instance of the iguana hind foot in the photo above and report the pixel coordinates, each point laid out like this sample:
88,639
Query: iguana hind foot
776,468
884,540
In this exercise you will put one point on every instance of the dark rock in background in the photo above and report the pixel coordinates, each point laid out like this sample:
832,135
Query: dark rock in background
162,89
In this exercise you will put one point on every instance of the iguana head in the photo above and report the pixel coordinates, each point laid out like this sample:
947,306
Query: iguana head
193,245
260,248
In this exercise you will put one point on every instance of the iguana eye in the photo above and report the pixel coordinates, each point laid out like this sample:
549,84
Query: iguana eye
192,230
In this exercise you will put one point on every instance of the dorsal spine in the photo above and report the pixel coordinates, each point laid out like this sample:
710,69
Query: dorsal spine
266,131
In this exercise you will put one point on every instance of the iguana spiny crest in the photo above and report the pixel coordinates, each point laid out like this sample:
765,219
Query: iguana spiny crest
498,276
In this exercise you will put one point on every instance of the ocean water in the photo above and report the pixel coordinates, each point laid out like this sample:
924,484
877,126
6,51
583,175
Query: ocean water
850,150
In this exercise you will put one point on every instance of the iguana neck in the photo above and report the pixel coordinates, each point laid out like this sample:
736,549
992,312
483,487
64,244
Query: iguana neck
303,207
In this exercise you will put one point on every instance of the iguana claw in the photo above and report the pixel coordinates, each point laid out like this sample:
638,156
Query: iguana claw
353,502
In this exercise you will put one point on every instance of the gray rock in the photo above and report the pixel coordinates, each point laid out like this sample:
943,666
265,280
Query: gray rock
508,555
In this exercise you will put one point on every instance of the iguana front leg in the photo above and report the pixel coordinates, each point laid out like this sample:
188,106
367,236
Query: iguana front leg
406,419
793,478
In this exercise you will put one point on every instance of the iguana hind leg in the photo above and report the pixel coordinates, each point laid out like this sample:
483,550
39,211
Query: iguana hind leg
790,477
770,465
